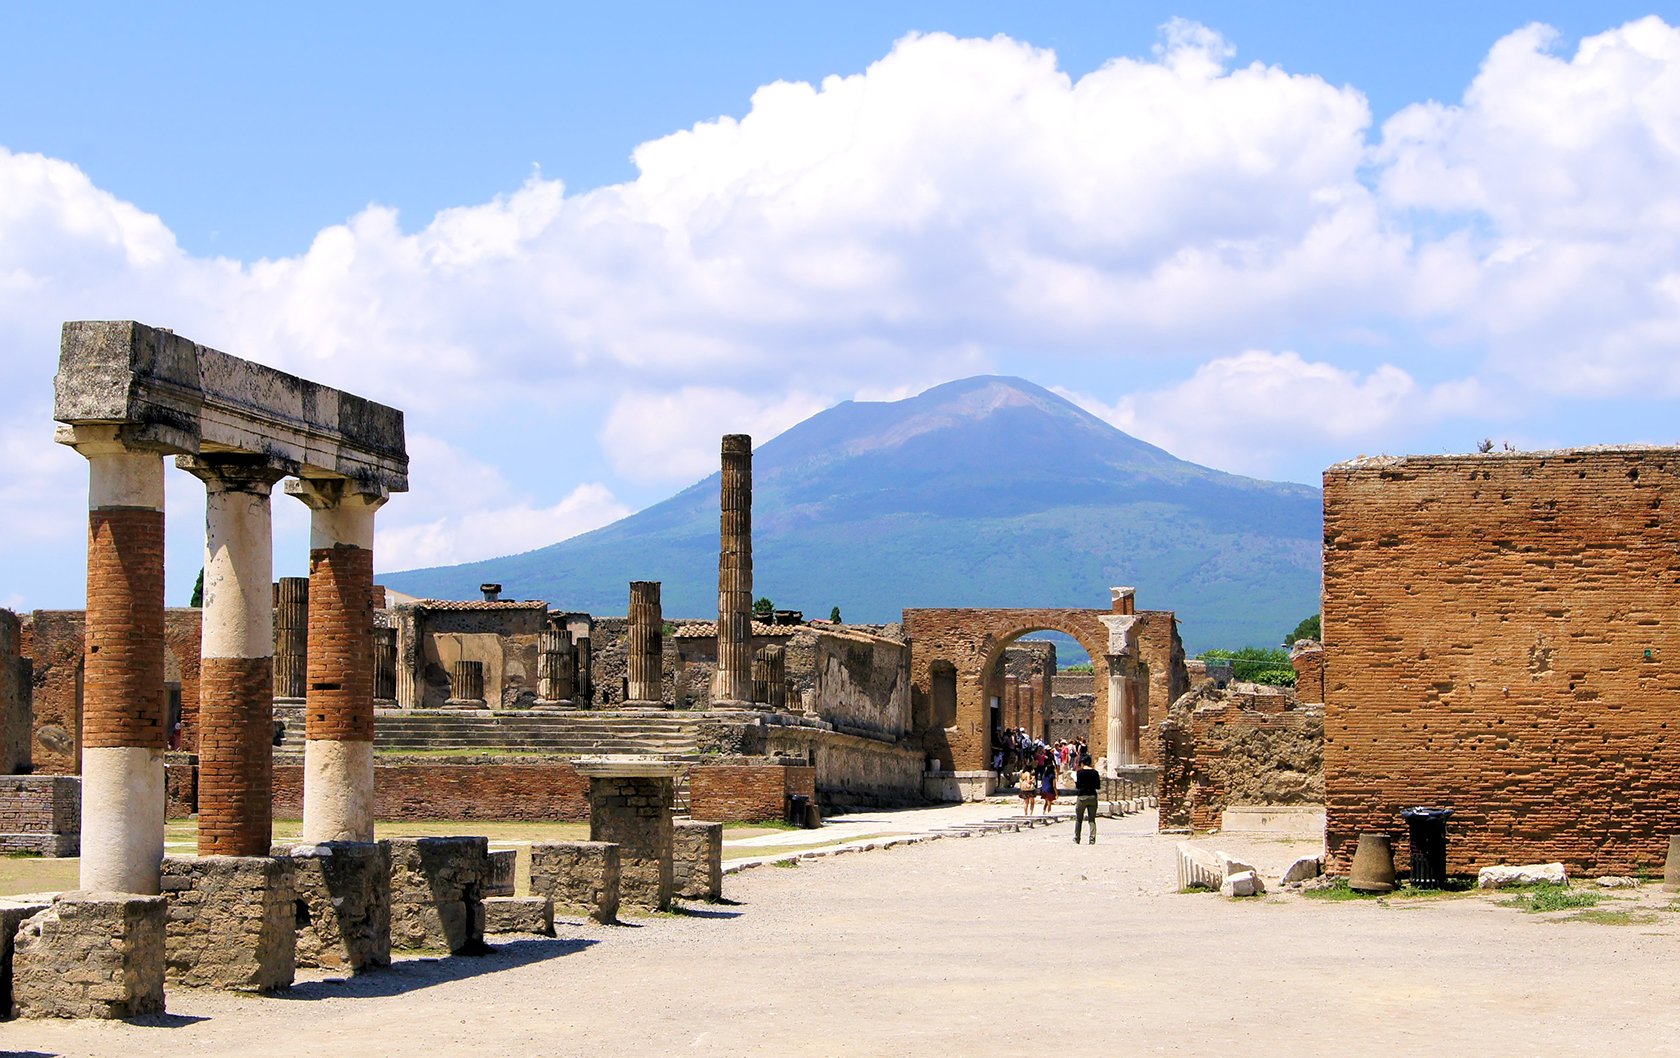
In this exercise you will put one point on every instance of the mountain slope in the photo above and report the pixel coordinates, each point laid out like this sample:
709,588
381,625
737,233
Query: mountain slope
984,492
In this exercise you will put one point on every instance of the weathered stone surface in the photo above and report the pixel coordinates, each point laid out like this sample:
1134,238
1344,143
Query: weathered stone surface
500,880
697,860
437,892
1198,868
12,914
1617,881
634,812
231,922
1503,876
91,955
343,914
519,914
581,876
1229,865
1242,883
41,814
1301,870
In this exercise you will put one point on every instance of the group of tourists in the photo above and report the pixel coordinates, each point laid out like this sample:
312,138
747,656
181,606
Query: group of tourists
1038,782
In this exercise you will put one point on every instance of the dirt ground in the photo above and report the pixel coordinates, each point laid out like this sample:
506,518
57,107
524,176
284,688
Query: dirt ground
995,945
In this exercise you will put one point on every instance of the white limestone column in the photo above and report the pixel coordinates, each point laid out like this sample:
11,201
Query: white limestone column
1119,710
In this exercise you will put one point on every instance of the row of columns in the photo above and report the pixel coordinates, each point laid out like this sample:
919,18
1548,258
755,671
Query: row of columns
123,712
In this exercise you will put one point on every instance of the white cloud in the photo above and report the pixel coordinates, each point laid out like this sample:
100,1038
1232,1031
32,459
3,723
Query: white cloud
674,437
492,532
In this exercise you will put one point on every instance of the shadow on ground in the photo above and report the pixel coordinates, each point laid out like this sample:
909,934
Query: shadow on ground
410,975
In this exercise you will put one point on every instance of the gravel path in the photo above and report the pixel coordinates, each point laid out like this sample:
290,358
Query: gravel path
981,946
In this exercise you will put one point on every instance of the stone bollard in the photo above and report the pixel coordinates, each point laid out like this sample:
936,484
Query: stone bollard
231,922
697,860
91,955
343,916
437,893
1373,865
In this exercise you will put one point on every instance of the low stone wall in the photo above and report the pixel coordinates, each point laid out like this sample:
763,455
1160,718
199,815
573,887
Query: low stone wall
697,860
343,915
231,922
91,955
1246,745
581,876
853,771
41,814
544,792
437,893
746,792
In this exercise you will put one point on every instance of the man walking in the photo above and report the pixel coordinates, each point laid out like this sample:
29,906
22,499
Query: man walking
1087,784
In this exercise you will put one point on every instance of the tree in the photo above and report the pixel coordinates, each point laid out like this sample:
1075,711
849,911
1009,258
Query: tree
197,602
1309,628
1258,665
763,608
834,615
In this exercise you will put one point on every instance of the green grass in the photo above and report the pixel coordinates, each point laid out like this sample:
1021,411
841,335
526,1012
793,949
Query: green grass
37,874
1607,917
1542,898
1339,890
1199,889
763,825
786,863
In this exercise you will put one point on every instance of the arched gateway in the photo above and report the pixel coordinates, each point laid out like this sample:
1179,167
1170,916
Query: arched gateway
1137,658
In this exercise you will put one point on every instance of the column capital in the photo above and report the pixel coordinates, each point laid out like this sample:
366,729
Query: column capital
321,494
92,439
236,471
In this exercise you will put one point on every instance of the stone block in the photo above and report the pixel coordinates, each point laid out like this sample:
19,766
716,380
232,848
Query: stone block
437,893
91,955
581,876
697,860
1617,881
231,922
502,864
343,912
1303,869
1242,883
1504,877
12,914
41,814
519,914
1229,865
1198,868
634,813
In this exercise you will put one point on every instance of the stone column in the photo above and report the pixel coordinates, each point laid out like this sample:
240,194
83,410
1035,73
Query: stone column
385,664
338,732
770,676
646,645
556,673
1012,703
236,675
1119,714
466,684
582,658
123,706
291,637
732,683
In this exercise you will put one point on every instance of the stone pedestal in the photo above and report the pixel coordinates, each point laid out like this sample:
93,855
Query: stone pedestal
581,876
230,922
500,880
630,806
437,893
12,913
645,646
91,955
519,914
697,860
343,903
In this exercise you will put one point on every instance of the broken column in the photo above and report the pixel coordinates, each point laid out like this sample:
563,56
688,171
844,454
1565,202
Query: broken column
338,726
466,685
732,683
646,645
556,667
236,674
385,664
630,806
770,676
291,637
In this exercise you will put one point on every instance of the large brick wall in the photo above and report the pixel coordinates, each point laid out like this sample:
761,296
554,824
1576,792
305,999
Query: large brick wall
533,792
1246,745
1500,637
730,793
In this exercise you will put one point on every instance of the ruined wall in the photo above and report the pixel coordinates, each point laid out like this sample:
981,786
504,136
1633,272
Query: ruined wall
851,771
853,680
501,636
1307,659
16,697
1246,745
488,791
746,793
1499,637
1162,651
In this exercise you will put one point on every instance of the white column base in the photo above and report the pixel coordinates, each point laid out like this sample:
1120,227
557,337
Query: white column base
122,819
337,791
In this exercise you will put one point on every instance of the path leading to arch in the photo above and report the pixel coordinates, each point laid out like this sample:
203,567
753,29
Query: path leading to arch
975,947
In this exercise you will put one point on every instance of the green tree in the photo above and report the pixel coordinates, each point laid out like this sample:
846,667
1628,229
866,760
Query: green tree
197,602
1309,628
763,608
834,615
1258,665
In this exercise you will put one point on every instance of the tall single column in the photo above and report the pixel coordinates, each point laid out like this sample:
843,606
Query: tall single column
291,637
1012,703
646,645
556,667
732,683
338,725
123,706
236,675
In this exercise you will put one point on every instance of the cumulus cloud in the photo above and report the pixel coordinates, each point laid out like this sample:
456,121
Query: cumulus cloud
673,437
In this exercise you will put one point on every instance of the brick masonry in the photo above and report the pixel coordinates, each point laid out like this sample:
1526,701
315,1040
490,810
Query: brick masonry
90,955
1500,638
580,876
231,922
123,680
534,792
235,758
340,662
746,793
16,694
41,814
1247,745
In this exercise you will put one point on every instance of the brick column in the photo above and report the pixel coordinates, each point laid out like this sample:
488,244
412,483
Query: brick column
732,683
236,680
338,725
645,650
123,708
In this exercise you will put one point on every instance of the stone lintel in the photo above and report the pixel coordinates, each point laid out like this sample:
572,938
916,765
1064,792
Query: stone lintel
629,767
168,392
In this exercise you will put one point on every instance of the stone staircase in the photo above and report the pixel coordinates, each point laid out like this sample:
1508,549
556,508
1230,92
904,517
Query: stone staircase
570,734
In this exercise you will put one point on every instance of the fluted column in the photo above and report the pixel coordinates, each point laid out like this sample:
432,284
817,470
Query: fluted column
770,676
236,674
338,726
385,664
123,708
732,683
556,667
646,645
291,637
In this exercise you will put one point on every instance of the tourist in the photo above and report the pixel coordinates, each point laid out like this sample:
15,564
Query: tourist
1087,784
1028,783
1047,786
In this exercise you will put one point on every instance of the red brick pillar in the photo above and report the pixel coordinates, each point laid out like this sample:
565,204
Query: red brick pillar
338,708
236,680
123,708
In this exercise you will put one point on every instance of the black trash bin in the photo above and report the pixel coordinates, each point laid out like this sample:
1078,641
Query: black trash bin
796,809
1429,845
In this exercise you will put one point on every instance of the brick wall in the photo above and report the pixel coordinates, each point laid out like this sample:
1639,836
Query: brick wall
732,793
40,804
1500,638
1247,745
1307,659
535,792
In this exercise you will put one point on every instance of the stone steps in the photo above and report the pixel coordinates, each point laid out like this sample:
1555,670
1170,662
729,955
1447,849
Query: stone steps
558,734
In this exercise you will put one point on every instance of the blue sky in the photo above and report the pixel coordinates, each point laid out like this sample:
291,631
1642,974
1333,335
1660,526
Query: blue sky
576,244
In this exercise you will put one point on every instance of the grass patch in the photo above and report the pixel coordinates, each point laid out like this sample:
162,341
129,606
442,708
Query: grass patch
786,863
1198,889
1608,917
38,874
1338,889
1543,898
764,825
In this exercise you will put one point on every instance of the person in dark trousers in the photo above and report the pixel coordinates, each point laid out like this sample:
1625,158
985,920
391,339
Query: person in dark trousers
1087,784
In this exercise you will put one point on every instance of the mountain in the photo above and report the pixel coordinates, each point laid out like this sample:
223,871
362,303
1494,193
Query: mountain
988,491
